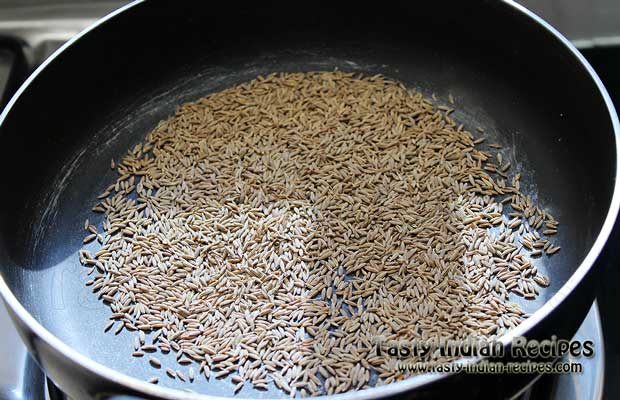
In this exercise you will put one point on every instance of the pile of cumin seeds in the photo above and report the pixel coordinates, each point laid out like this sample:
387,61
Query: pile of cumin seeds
271,231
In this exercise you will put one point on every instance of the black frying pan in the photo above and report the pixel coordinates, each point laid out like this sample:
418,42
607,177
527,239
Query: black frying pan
509,72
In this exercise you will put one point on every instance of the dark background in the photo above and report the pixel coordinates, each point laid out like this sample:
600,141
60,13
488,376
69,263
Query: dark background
606,62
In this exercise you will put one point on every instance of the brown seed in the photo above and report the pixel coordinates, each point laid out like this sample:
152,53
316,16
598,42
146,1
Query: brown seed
155,362
149,348
109,325
89,238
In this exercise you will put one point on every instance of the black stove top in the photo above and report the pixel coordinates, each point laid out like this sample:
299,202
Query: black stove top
606,62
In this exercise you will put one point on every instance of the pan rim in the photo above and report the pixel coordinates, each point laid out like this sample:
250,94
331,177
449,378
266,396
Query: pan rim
134,384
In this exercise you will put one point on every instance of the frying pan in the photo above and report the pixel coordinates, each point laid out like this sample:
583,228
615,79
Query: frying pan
106,89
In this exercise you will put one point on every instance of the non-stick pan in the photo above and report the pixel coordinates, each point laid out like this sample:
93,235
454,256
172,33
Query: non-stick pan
104,91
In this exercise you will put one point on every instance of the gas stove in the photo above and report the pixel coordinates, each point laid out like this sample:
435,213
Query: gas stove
22,379
27,36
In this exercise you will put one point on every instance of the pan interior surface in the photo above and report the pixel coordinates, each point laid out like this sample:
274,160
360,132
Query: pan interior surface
95,101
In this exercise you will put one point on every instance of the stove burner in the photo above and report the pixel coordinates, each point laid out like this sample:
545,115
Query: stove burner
24,380
587,385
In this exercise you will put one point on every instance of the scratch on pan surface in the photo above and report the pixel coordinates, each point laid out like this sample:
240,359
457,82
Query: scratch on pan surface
49,204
